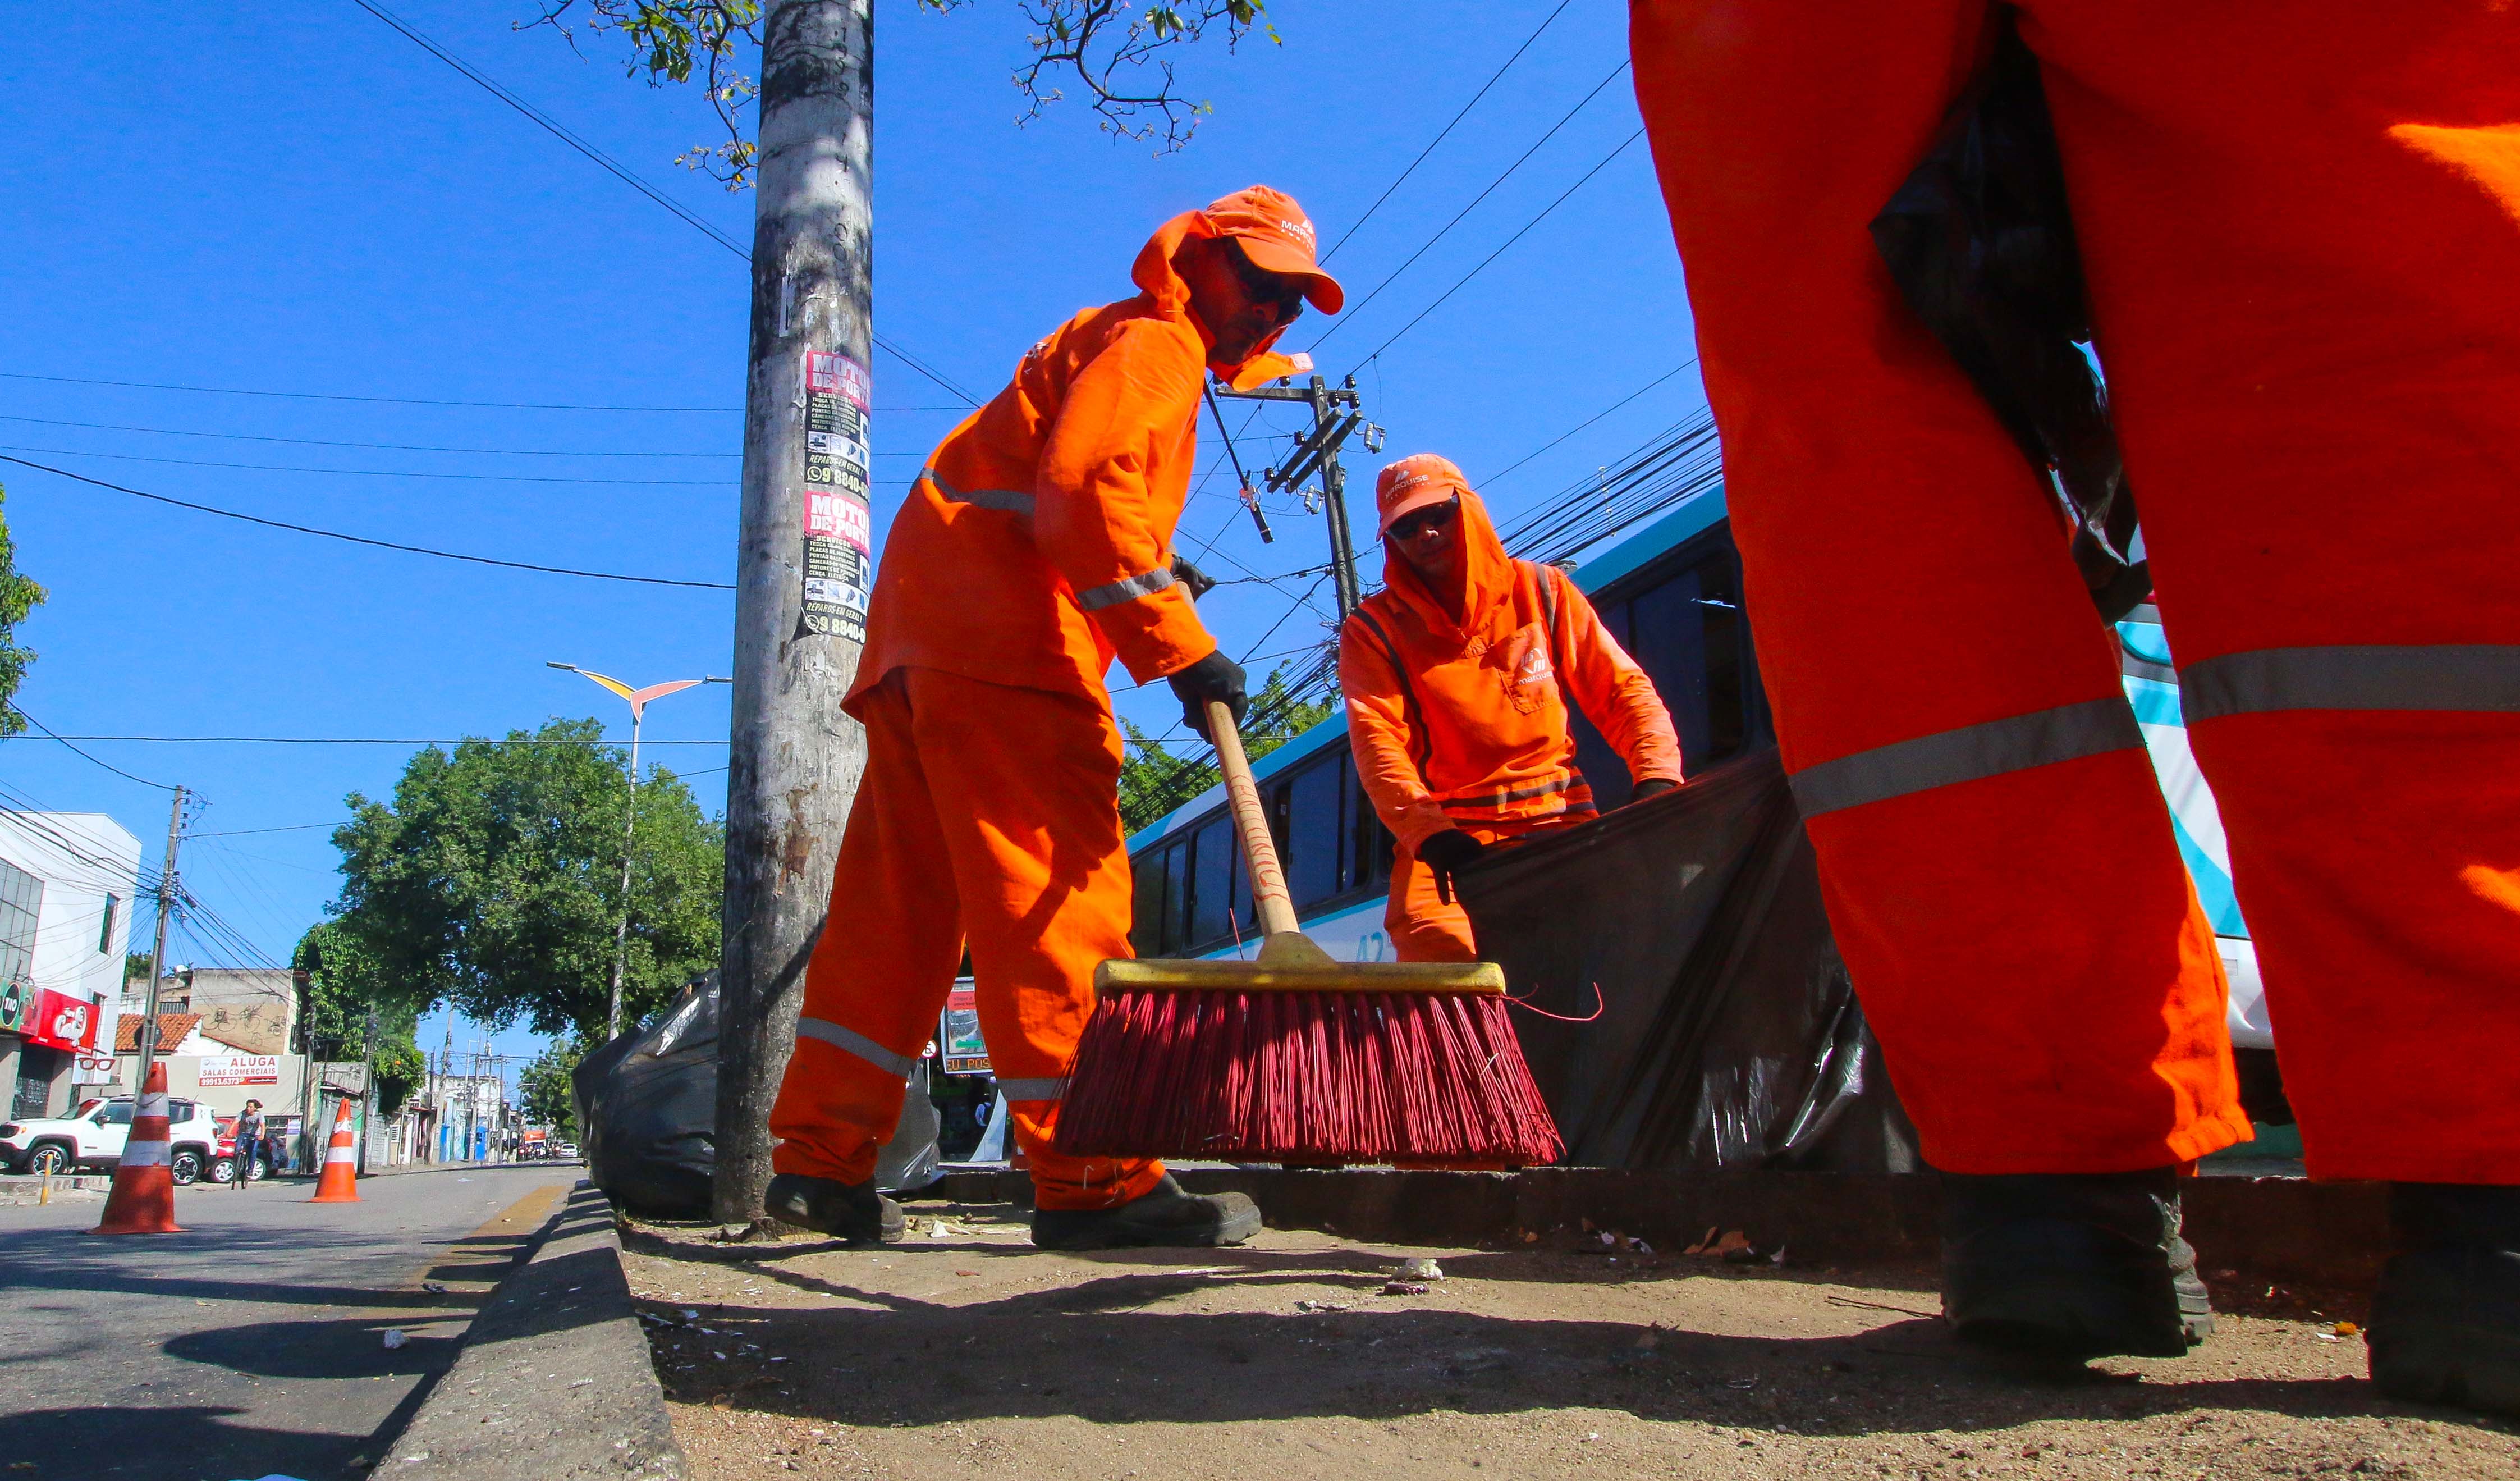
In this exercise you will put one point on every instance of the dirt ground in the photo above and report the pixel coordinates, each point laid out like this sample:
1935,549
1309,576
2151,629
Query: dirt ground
966,1353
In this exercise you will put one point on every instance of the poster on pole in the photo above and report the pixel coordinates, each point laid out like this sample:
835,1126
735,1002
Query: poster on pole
957,1032
840,533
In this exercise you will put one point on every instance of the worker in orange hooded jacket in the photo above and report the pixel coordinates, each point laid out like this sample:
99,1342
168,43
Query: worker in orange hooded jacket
2300,229
1035,548
1458,675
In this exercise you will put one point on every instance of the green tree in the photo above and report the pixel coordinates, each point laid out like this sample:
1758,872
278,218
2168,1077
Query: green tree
543,1088
339,985
1118,53
1154,780
400,1069
491,881
19,597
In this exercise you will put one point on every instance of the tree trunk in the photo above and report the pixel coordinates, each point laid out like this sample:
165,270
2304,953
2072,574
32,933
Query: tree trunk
804,564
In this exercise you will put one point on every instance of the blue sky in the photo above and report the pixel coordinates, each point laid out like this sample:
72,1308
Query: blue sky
300,199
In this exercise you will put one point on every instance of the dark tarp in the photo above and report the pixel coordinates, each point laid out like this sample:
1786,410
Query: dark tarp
647,1113
1729,1034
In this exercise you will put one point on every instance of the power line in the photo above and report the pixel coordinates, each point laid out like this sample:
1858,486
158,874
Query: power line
83,756
1447,131
284,828
1428,245
620,171
371,473
319,396
1588,421
361,539
244,437
1501,250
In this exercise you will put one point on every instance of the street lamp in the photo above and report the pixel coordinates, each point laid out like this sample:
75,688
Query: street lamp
638,699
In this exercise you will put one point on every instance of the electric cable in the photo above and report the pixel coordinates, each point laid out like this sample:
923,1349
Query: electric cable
361,539
371,473
244,437
83,756
1588,420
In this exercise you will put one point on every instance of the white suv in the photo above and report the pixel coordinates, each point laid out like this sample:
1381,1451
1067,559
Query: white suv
92,1137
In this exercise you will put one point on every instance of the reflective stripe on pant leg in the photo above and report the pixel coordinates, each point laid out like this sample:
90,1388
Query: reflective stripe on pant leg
1034,1089
851,1042
1968,754
2475,677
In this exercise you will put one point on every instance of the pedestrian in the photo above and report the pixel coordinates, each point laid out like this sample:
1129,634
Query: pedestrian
1462,676
1036,546
2297,226
248,1140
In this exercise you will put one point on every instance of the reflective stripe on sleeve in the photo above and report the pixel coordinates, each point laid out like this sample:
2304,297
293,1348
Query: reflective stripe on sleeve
1034,1089
1968,754
2480,677
1002,501
1127,588
851,1042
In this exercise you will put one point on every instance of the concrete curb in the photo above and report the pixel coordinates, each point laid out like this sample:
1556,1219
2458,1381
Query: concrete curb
19,1191
2282,1230
553,1381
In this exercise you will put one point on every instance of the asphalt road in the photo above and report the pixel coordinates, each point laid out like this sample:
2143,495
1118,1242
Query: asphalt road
253,1343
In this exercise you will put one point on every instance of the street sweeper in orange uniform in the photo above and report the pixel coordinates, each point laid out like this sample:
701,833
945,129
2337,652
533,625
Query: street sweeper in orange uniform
1460,676
1035,548
2299,229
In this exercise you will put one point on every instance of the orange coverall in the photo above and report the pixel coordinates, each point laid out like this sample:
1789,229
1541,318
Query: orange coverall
1466,724
2301,228
1035,546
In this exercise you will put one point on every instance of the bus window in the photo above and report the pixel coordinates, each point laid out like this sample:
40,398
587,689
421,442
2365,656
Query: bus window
1671,646
1176,897
1147,902
1312,833
1727,704
1367,844
1211,881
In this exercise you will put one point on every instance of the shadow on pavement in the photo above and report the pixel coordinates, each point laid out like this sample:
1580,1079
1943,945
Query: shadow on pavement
175,1444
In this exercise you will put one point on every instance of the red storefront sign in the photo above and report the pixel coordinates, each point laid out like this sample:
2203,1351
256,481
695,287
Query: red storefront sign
62,1022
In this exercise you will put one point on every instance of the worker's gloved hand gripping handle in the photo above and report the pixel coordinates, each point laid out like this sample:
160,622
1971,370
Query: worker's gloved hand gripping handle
1214,677
1444,853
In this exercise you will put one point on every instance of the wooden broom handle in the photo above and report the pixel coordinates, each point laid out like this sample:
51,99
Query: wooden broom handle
1259,849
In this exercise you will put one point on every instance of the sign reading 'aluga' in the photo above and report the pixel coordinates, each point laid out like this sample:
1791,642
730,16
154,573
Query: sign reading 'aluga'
240,1069
840,533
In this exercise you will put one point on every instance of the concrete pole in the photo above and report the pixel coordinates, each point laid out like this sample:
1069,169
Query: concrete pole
804,565
629,832
166,892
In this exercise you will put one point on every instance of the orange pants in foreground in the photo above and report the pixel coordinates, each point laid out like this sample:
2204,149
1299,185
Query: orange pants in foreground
2301,226
1419,925
991,814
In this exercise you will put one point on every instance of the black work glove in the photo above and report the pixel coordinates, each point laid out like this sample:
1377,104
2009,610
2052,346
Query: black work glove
1445,852
1653,786
1213,677
1200,582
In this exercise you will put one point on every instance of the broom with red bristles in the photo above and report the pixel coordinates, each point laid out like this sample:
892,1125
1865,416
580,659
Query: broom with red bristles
1296,1056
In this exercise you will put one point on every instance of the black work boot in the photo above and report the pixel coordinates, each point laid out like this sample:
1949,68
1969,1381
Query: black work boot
2071,1264
1163,1215
850,1211
2446,1317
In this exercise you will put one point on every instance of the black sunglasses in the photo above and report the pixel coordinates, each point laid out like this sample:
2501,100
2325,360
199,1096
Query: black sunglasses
1262,287
1418,522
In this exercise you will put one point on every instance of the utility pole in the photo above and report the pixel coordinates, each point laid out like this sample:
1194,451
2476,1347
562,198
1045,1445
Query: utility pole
1336,415
166,896
367,1088
804,564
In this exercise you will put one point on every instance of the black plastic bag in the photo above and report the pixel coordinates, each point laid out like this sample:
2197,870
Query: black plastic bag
1980,240
646,1111
1727,1034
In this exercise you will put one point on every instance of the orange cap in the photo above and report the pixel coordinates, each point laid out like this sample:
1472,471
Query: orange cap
1414,482
1277,237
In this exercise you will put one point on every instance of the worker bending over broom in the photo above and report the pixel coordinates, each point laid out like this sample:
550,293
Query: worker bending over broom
2300,227
1035,546
1459,675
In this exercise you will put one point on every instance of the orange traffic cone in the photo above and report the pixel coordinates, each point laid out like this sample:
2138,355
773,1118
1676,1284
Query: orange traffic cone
340,1180
143,1200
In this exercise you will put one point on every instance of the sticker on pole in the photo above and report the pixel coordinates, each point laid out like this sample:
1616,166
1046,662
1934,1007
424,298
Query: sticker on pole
839,532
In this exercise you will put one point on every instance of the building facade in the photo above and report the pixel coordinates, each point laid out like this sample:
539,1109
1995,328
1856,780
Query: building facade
67,883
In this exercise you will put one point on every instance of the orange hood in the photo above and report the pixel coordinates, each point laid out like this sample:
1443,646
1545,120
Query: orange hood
1487,572
1165,286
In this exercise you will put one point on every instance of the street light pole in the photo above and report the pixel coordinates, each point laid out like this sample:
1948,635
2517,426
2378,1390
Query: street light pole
638,699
